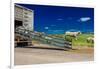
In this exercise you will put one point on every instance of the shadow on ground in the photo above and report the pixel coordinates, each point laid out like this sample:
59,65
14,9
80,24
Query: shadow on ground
61,49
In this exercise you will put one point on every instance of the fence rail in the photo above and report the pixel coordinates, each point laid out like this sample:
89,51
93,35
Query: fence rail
44,38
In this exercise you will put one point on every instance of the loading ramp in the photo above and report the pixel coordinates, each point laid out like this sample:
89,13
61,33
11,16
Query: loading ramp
27,37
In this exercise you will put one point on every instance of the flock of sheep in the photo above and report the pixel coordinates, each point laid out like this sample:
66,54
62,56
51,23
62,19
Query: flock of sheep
75,35
72,34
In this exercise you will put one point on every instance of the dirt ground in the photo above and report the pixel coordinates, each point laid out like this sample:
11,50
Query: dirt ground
42,54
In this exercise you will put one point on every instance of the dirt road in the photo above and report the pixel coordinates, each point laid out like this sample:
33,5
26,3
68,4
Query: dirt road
38,55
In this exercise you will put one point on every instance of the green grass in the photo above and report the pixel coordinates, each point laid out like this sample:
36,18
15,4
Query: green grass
82,40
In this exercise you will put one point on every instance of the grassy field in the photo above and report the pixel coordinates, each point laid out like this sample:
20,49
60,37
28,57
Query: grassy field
82,40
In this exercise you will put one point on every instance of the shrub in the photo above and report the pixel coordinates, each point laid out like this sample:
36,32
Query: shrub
68,38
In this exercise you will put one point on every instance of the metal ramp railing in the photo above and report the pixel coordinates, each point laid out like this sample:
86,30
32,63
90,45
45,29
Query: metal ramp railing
43,38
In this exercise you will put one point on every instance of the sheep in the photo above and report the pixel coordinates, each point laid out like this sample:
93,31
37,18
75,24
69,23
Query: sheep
48,38
90,39
73,34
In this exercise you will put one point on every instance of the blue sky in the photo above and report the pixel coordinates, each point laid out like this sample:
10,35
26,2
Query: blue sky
59,19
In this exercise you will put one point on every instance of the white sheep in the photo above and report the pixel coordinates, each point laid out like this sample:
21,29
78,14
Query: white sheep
73,34
90,39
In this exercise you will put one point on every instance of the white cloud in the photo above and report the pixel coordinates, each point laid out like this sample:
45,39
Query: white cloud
59,19
84,19
46,27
